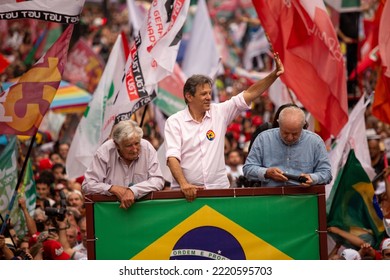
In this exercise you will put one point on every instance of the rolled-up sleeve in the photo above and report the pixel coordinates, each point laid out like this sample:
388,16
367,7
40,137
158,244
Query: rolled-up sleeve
173,139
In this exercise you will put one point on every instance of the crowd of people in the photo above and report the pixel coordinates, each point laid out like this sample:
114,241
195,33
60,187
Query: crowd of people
238,153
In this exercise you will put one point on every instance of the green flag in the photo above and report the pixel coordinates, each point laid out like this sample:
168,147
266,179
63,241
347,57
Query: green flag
28,187
8,181
255,227
28,190
351,207
344,6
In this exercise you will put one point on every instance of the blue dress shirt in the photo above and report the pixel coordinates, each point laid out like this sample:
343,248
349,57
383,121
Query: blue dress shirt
308,155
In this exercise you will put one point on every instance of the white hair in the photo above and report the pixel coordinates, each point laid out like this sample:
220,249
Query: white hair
125,130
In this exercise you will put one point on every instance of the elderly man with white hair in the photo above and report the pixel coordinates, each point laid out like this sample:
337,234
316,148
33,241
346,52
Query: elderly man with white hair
289,154
125,166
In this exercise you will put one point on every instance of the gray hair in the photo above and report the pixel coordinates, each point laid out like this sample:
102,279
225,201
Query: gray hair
125,130
39,211
192,82
288,112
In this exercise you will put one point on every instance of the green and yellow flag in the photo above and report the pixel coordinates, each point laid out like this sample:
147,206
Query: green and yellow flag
351,205
256,227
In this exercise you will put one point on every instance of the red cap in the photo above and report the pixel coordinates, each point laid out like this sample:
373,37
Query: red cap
33,239
53,250
45,163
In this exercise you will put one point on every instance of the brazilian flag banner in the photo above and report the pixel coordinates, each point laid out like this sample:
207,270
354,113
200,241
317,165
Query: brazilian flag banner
258,227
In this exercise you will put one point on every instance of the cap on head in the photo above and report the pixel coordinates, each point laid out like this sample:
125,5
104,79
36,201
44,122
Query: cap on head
350,254
385,244
53,250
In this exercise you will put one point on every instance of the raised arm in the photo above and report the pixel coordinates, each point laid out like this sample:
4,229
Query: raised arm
31,226
255,90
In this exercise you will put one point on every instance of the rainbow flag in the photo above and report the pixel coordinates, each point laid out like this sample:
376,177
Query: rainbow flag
69,98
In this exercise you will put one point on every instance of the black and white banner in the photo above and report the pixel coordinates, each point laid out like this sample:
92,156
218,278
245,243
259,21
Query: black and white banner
61,11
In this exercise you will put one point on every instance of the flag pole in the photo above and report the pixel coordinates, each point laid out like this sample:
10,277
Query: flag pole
143,115
12,239
20,178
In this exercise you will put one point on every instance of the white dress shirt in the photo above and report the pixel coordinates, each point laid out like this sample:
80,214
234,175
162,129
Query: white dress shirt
199,146
143,175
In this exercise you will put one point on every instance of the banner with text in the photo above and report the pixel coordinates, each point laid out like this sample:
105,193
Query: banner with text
54,10
220,228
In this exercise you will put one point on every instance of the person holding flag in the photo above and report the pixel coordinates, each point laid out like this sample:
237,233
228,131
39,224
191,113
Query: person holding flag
195,136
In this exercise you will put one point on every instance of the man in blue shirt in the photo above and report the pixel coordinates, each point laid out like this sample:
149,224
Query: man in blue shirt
288,150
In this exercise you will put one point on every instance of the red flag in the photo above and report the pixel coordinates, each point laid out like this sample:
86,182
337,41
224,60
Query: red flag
3,63
381,105
369,45
84,67
303,35
384,39
24,104
370,61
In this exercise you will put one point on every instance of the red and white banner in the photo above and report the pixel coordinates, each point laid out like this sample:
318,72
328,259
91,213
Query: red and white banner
152,56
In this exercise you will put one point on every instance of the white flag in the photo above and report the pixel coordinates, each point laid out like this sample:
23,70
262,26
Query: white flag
201,55
136,16
257,45
88,138
152,57
121,93
352,136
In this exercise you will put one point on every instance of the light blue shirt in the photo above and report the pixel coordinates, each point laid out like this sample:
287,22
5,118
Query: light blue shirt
308,155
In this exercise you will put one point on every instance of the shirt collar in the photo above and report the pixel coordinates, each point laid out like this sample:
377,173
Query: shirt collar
188,117
300,139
